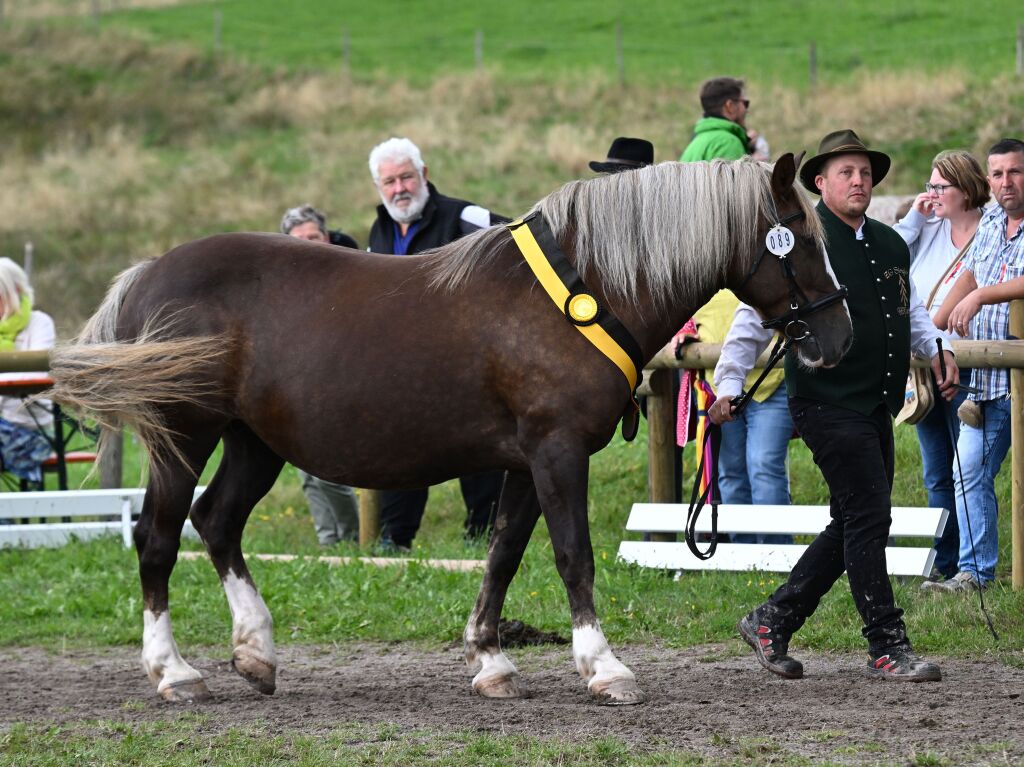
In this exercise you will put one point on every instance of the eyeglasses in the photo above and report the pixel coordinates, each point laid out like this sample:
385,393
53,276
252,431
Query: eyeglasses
745,103
938,189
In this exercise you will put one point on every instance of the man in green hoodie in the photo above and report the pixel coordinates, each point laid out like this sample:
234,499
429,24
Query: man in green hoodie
721,133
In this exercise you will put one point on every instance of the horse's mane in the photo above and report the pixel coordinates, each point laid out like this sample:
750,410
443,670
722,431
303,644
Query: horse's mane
674,227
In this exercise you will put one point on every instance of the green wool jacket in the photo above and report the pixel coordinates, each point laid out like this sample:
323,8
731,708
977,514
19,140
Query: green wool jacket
716,138
876,271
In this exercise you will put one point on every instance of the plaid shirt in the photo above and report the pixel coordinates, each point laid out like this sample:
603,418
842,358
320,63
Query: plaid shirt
993,259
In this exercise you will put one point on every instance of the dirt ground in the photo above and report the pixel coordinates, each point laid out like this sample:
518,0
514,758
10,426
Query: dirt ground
702,700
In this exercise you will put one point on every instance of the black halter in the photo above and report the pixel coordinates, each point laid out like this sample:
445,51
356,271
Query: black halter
792,324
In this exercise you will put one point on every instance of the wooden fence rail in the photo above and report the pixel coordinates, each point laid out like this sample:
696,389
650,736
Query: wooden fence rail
657,386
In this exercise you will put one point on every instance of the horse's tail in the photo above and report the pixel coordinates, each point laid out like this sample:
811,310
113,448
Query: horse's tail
102,326
131,384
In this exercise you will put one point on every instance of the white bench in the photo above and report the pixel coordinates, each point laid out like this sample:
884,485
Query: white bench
92,512
795,520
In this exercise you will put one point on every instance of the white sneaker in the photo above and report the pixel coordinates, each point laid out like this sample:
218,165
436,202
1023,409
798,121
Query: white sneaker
962,581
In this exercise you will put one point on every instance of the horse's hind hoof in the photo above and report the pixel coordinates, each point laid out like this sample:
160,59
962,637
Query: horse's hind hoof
617,692
505,686
256,672
187,691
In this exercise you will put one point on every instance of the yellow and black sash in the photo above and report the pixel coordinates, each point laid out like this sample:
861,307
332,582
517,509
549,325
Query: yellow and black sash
581,308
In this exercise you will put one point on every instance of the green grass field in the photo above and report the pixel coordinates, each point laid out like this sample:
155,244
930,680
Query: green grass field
661,41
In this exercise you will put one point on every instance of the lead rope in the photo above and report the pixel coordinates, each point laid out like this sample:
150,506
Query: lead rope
713,440
963,495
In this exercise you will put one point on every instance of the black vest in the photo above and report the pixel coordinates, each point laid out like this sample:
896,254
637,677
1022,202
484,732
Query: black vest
876,271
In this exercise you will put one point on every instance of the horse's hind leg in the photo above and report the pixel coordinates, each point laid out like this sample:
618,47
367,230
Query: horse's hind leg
157,538
518,511
247,471
560,469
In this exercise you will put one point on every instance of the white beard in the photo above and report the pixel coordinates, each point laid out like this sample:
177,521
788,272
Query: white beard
411,213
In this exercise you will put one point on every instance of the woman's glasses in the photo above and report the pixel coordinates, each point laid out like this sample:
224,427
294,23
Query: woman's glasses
939,189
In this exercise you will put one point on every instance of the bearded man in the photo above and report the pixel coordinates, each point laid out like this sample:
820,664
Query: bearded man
412,217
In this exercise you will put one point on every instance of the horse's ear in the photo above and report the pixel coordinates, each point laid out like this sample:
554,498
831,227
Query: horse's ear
783,175
799,160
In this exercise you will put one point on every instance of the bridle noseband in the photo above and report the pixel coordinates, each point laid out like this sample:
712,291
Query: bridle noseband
792,324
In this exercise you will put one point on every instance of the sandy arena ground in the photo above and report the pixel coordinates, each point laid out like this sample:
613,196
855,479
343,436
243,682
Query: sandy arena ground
700,700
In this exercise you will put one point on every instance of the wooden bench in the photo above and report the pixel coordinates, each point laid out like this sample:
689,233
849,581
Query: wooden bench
794,520
92,513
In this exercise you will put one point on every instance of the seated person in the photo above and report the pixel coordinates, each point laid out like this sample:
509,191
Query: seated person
334,507
22,445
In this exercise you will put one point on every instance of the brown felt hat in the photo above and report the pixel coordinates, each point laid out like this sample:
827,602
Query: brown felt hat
837,143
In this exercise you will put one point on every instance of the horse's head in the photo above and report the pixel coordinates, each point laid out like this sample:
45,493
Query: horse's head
789,280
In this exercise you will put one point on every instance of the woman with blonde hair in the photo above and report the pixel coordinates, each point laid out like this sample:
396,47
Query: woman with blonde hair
22,328
938,229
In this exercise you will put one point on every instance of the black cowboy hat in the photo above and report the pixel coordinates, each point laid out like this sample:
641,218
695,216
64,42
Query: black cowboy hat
837,143
625,154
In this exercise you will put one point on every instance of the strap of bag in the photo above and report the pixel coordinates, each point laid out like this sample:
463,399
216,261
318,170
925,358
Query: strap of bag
949,270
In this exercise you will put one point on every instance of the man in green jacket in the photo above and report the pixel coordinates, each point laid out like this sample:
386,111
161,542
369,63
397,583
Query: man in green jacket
721,133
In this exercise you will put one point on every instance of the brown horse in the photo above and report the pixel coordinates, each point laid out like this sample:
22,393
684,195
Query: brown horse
387,372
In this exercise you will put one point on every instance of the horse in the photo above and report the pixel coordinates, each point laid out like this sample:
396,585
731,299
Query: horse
386,372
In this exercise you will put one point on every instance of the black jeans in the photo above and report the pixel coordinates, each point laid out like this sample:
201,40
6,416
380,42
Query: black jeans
855,454
401,511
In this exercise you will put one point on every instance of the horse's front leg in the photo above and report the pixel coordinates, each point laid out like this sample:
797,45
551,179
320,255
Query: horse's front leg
518,511
560,471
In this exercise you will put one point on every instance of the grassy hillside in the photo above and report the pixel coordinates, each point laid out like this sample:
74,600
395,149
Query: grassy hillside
117,147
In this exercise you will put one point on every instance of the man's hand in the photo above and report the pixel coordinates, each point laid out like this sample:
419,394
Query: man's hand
721,411
947,384
962,314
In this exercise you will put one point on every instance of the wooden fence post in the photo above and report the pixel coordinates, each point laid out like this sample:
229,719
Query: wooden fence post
346,53
620,57
661,438
112,461
369,517
1016,456
1020,50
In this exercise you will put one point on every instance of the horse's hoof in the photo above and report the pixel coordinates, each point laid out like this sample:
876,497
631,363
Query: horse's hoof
255,671
187,691
617,692
505,686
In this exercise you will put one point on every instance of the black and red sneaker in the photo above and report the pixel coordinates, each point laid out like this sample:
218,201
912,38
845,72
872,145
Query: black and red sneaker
901,665
769,645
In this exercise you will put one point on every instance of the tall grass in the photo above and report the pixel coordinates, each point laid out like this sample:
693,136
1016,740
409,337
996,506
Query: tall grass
117,149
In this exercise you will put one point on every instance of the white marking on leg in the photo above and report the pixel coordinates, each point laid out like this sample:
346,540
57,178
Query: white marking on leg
160,657
594,658
251,624
493,666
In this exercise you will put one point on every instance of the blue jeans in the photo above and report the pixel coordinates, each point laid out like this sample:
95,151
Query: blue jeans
981,454
752,464
937,462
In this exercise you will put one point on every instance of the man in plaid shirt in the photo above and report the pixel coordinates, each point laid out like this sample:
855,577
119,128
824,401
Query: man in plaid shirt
977,307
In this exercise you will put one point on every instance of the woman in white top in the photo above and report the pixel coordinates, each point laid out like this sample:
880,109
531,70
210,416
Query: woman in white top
22,447
938,229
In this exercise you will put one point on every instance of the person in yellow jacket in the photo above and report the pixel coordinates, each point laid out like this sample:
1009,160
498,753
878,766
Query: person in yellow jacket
752,467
